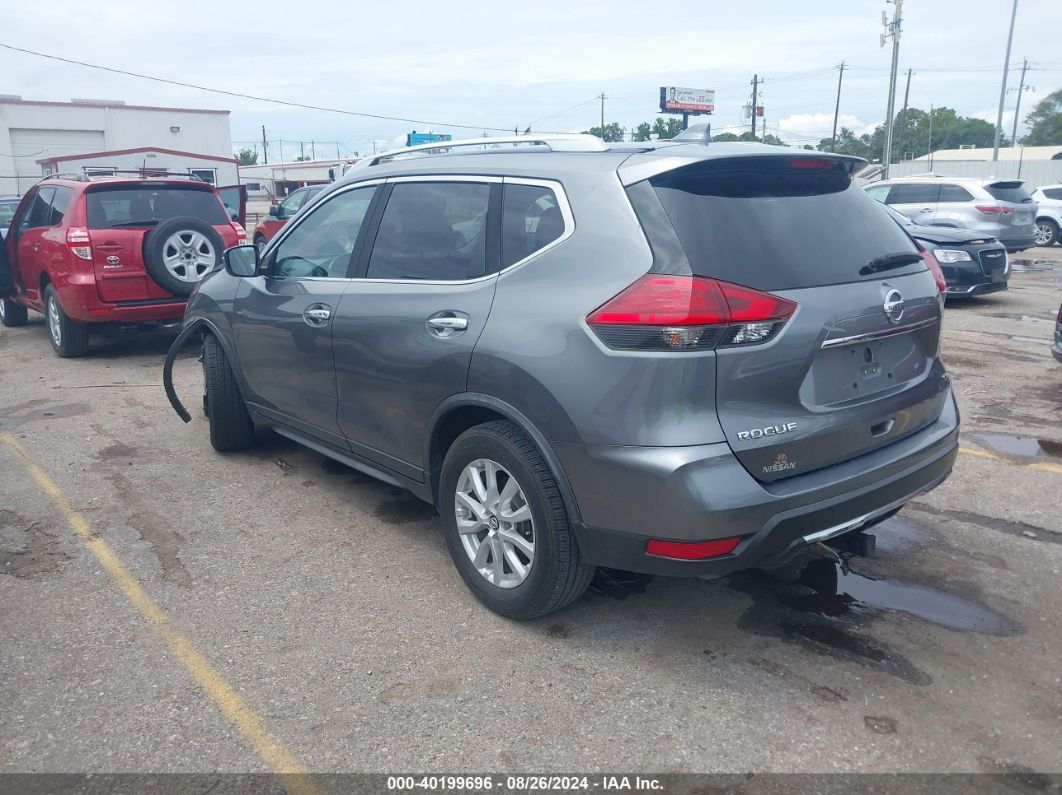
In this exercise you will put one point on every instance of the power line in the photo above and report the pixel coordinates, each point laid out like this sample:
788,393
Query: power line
241,95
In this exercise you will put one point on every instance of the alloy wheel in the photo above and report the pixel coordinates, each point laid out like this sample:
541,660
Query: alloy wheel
54,326
495,524
188,255
1043,234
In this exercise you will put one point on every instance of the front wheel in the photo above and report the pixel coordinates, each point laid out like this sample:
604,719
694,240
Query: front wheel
506,526
69,338
1046,232
12,314
260,244
231,426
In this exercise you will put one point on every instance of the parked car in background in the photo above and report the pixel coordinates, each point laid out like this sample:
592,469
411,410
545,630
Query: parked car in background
280,214
8,205
1048,214
90,251
972,264
670,385
997,208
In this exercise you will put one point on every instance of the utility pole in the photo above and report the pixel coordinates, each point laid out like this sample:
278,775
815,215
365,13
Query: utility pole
930,148
755,86
1017,106
265,148
837,109
602,115
1003,87
302,150
313,151
903,113
892,29
337,151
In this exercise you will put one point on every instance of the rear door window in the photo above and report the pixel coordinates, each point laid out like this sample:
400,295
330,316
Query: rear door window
766,224
954,193
914,193
531,220
1013,192
117,207
432,230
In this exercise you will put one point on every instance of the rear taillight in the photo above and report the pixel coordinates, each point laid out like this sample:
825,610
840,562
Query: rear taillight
934,268
994,209
686,313
79,242
241,233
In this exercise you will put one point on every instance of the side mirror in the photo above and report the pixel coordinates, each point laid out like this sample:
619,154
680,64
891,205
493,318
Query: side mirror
242,260
274,211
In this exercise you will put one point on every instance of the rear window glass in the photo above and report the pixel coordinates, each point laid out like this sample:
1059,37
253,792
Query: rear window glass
108,208
1009,192
762,223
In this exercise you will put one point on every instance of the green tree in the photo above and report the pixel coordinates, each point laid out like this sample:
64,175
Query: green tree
769,139
613,132
247,156
1045,121
667,128
643,131
910,135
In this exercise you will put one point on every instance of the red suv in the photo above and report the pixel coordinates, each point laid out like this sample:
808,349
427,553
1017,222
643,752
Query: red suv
102,250
280,214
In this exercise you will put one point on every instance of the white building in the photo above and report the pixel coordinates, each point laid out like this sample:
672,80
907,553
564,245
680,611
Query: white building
276,180
31,131
220,171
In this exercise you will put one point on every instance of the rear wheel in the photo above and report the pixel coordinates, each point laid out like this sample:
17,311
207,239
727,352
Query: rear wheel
260,244
12,314
69,338
1046,232
231,426
506,526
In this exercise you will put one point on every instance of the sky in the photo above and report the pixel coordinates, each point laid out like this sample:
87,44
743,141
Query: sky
497,66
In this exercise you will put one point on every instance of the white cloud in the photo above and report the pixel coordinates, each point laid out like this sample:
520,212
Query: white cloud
810,128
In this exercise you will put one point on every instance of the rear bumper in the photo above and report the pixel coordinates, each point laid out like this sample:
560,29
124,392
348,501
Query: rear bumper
81,301
1020,242
629,494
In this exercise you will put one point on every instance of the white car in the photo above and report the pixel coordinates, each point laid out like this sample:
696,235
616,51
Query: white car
1049,214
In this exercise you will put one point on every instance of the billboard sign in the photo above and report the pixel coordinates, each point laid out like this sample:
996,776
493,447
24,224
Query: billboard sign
674,99
415,138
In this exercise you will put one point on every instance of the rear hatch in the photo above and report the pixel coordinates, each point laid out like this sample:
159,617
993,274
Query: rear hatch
842,377
1015,203
119,218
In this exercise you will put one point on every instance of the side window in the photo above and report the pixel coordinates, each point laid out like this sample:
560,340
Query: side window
914,193
432,230
954,193
321,244
878,193
59,204
40,211
290,205
531,220
1053,193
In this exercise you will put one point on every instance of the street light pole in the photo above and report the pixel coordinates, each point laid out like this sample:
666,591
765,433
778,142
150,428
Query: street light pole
1003,87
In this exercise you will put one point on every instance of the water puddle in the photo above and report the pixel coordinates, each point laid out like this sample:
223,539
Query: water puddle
834,593
1020,446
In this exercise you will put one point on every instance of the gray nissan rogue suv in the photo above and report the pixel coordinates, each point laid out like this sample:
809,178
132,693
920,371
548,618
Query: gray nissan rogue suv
673,358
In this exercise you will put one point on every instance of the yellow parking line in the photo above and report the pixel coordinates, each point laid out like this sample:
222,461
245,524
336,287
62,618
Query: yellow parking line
1041,465
294,777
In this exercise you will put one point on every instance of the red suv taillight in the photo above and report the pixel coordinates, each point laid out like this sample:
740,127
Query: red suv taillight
934,268
241,233
994,209
79,242
686,313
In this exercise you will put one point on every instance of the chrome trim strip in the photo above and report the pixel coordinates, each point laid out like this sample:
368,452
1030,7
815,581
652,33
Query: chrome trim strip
852,524
875,335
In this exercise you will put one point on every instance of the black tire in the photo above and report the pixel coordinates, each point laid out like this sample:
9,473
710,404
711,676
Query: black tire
231,426
158,242
12,314
557,576
69,338
260,244
1051,229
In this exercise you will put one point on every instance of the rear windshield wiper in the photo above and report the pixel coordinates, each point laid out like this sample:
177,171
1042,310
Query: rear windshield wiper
889,261
147,222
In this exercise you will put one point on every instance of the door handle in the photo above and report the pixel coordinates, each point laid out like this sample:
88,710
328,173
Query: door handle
446,324
317,315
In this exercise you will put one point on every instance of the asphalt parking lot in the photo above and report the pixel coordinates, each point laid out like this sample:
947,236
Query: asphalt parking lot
167,608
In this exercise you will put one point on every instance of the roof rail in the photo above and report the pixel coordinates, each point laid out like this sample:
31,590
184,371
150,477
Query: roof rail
552,142
102,173
66,175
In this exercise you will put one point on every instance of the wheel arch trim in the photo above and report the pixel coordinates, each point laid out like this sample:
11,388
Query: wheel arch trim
514,415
